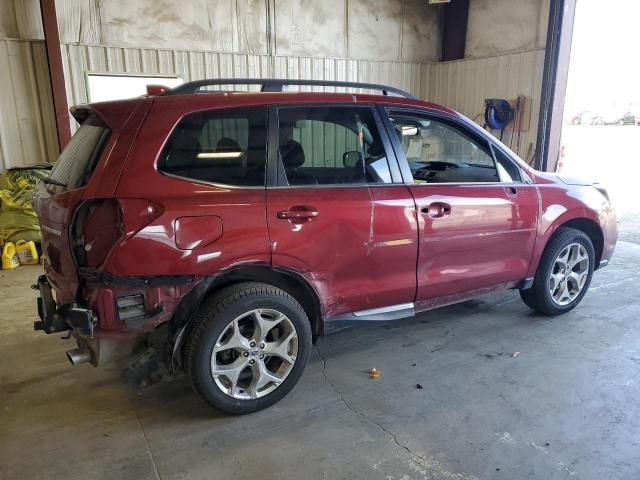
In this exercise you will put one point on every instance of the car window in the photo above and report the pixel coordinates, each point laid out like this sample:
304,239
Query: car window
440,153
330,146
221,146
509,171
78,159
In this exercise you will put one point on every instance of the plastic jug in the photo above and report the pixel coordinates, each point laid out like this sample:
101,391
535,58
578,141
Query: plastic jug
9,257
27,252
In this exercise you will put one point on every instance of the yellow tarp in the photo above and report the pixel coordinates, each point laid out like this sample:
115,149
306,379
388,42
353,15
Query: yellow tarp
18,220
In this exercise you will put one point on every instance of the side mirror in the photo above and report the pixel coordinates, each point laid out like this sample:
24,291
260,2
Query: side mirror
351,159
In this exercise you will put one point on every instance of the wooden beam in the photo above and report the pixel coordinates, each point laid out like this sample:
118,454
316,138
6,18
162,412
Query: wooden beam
454,30
56,71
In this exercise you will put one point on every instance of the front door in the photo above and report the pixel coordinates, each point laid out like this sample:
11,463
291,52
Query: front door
476,217
339,214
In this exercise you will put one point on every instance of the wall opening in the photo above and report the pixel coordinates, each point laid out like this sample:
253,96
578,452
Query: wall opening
601,128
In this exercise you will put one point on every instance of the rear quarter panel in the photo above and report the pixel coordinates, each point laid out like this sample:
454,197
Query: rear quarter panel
153,249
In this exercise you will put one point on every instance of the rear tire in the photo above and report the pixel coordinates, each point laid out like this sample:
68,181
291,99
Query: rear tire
248,348
564,273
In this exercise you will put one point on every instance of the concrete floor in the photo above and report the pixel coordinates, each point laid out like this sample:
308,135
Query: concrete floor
565,407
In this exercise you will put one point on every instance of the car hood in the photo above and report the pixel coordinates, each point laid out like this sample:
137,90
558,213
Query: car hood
566,179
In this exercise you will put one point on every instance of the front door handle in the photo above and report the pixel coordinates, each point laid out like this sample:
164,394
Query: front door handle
437,209
511,191
298,214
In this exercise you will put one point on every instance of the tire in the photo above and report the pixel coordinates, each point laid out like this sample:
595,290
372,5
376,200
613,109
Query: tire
539,297
225,321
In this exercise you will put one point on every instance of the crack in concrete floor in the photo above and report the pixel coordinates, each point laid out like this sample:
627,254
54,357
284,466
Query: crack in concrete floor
429,467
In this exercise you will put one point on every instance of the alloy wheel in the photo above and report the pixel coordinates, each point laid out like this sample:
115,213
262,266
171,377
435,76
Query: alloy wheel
569,274
254,354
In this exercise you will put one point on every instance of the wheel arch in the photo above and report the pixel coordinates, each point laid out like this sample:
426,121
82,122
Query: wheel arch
580,220
592,230
291,282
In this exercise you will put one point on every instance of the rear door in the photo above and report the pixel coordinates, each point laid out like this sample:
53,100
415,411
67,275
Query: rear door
477,218
337,211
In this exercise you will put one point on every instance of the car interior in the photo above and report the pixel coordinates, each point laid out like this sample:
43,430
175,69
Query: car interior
330,146
439,153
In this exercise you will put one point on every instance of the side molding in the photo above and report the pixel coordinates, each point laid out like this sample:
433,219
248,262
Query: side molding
391,312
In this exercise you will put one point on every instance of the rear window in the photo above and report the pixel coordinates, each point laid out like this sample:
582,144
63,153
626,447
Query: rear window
78,159
226,146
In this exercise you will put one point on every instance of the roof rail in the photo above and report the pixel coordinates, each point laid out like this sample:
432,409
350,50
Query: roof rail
278,84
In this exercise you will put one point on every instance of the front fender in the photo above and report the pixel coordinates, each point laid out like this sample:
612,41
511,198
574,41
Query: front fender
561,205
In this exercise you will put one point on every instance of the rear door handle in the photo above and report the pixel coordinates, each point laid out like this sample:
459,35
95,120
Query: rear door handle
298,214
436,209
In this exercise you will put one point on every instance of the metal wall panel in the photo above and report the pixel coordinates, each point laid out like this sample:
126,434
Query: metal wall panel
464,84
27,120
194,65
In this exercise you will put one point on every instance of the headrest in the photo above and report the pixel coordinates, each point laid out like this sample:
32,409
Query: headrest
292,154
226,144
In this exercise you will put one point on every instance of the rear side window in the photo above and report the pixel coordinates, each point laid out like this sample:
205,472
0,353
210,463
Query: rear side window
219,146
331,146
78,160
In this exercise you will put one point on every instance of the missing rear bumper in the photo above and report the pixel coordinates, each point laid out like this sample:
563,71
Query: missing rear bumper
54,318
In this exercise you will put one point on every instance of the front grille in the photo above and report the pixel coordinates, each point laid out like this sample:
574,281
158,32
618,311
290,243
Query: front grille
131,306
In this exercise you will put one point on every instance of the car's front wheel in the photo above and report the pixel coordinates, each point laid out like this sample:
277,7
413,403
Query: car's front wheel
564,273
248,347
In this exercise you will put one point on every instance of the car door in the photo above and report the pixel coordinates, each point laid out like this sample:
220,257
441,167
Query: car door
476,216
337,210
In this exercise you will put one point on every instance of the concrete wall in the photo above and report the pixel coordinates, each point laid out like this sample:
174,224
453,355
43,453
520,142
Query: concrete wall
497,27
394,30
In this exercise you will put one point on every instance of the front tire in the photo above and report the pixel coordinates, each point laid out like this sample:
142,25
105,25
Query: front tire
248,348
564,273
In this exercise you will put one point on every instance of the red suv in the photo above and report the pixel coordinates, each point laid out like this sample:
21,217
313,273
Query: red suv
220,230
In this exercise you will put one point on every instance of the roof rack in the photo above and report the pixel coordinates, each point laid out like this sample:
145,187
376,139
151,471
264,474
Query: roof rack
278,84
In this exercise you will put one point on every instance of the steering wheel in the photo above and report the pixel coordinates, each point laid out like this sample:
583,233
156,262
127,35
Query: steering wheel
431,169
439,165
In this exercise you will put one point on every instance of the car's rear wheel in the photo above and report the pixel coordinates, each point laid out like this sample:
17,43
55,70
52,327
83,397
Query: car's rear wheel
248,347
564,273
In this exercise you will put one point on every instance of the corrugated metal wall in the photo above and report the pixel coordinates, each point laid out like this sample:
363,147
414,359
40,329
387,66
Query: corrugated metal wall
27,127
27,120
463,85
194,65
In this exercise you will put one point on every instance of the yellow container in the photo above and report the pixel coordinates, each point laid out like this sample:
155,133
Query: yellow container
9,257
27,252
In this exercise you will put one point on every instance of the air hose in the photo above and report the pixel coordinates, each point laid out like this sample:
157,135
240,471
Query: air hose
498,114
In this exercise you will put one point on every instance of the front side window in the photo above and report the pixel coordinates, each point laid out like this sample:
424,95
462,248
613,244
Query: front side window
225,146
509,171
330,146
440,153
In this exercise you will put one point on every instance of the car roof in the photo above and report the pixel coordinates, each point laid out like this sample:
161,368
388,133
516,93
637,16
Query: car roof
117,111
213,99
